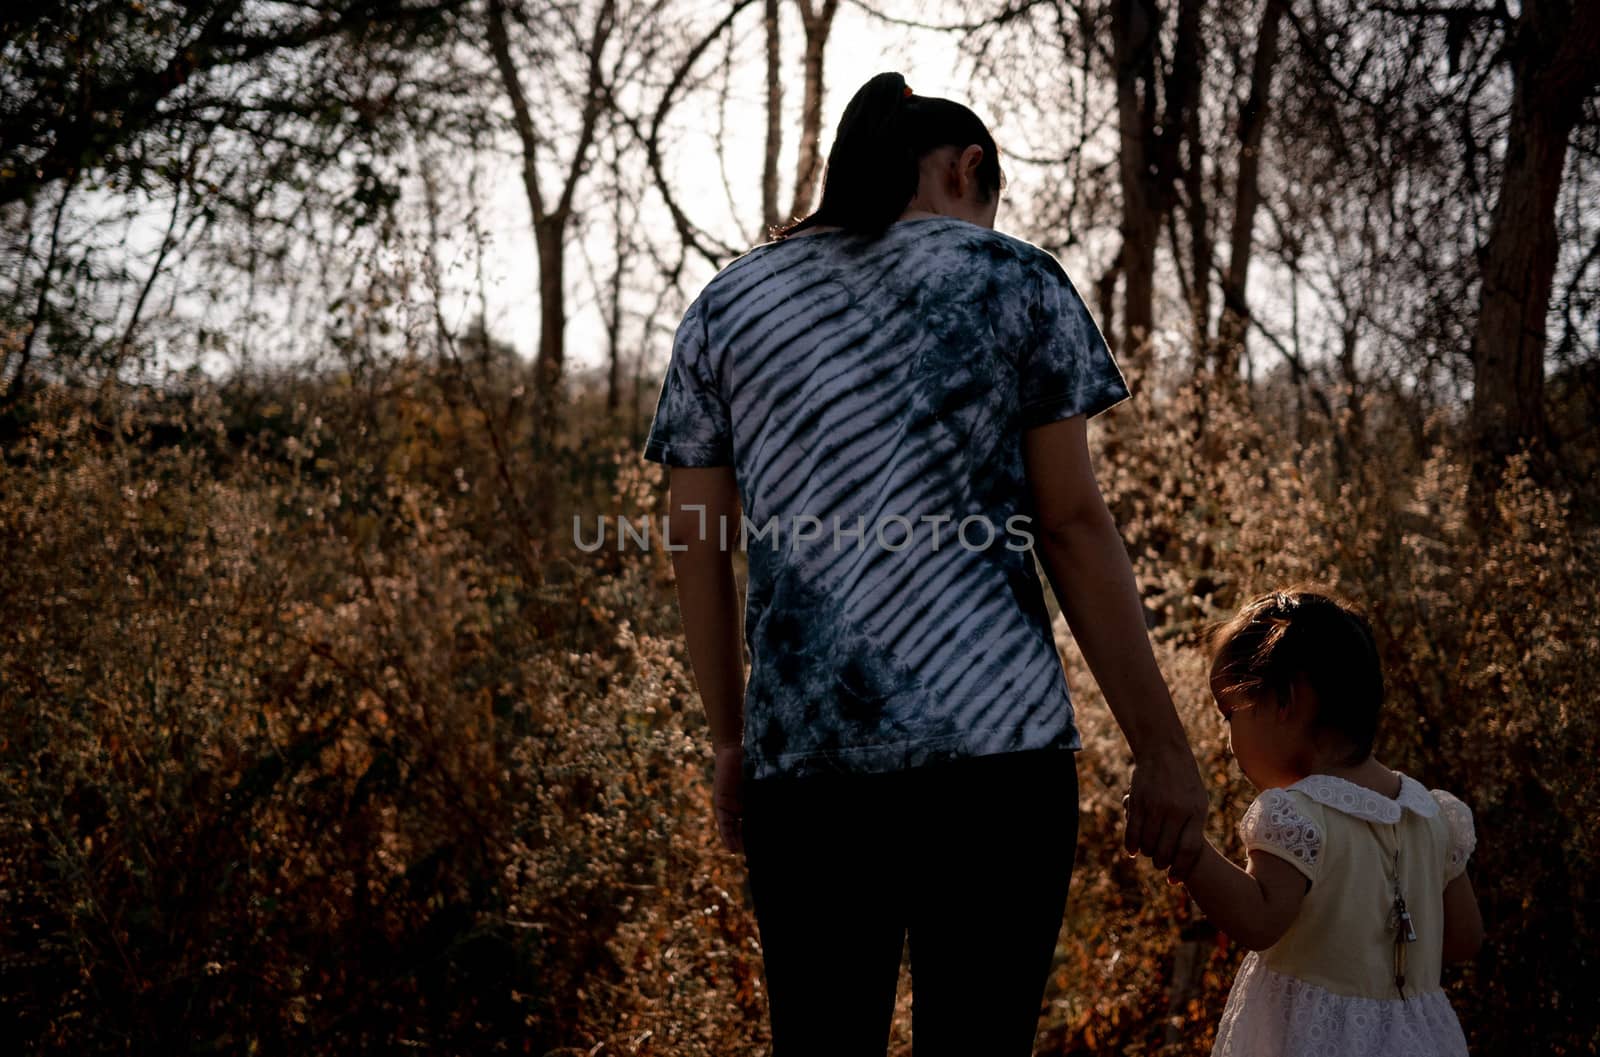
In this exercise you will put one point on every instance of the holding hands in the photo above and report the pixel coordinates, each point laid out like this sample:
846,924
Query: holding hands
1165,810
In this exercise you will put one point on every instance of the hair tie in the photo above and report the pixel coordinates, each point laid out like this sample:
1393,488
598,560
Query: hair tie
907,92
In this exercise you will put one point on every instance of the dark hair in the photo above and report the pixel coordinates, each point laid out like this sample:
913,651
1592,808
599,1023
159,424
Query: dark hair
1277,636
882,137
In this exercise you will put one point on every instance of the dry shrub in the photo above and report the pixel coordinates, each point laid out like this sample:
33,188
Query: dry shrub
293,759
309,744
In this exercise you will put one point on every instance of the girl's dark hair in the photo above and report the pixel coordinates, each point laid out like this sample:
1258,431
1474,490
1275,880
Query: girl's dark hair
874,163
1280,635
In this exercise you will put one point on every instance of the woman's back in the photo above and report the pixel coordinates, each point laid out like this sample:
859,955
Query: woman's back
881,387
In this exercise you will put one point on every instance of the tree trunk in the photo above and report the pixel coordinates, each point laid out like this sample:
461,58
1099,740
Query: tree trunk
1554,70
769,167
550,221
818,24
17,385
1247,193
1186,74
1156,110
1134,37
550,237
614,321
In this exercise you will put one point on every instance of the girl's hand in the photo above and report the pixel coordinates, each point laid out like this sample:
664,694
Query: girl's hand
727,796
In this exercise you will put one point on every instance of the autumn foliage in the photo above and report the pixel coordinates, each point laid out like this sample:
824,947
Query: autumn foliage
310,743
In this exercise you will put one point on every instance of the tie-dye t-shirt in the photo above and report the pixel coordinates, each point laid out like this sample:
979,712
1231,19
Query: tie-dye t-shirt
871,395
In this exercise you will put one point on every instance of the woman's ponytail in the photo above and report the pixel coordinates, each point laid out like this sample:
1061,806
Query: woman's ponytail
873,166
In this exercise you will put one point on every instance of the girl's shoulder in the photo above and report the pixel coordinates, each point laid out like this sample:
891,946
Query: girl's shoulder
1278,799
1330,802
1451,805
1462,829
1287,824
1300,822
1369,805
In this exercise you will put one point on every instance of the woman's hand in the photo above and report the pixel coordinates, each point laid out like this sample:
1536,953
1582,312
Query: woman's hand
727,796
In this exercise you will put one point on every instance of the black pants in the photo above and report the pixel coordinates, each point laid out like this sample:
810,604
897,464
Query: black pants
969,859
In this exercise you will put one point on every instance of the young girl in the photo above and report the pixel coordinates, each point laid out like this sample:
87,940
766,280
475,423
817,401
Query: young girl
1356,889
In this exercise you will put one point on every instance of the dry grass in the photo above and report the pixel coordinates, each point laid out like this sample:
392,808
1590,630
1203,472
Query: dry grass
307,745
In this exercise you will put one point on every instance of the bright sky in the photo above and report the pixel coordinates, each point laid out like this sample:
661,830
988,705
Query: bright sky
860,46
704,178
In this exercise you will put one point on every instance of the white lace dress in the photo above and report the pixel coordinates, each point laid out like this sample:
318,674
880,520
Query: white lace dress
1327,987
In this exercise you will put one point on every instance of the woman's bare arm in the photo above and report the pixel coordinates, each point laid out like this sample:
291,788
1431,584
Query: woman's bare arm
1088,568
708,594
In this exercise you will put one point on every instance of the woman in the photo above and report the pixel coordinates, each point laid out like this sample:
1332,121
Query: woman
889,400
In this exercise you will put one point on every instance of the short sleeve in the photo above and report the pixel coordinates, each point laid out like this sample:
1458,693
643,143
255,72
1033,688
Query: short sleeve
1463,837
692,426
1275,824
1066,368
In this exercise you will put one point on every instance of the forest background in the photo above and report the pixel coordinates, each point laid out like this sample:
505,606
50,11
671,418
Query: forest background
321,321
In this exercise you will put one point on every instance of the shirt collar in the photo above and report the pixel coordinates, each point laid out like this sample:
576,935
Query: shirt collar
1341,794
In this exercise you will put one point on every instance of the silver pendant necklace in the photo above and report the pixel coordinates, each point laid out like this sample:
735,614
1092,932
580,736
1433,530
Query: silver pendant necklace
1399,917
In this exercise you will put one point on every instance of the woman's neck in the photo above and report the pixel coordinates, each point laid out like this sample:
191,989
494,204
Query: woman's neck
909,214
